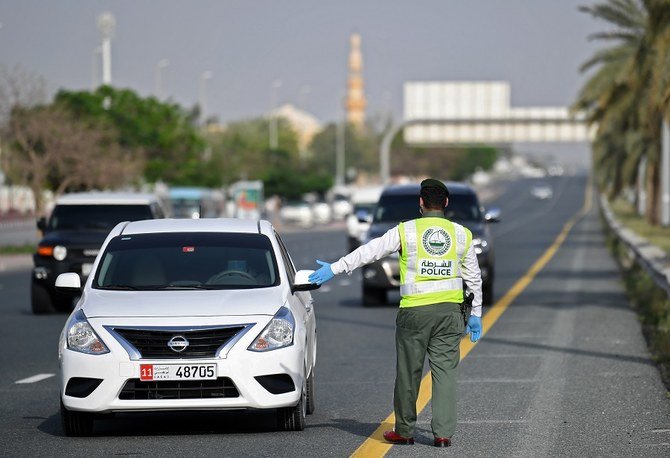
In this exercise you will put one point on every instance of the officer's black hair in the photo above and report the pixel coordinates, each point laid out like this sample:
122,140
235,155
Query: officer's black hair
433,197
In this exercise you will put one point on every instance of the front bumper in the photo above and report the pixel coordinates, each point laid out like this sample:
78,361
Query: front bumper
239,365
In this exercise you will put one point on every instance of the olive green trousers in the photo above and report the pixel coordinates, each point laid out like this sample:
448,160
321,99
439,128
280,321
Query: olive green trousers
434,329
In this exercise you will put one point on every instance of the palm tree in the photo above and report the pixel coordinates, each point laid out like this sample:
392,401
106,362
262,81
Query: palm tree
628,94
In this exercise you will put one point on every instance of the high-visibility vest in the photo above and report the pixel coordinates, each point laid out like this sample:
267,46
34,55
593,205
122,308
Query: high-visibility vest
432,249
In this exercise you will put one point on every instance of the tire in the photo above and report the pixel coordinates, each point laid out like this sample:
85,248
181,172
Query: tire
293,418
40,300
373,296
76,424
310,397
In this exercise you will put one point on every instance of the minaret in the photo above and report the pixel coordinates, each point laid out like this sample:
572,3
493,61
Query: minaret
355,96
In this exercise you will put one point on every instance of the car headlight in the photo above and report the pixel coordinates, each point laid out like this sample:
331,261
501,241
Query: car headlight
480,245
60,252
277,334
81,337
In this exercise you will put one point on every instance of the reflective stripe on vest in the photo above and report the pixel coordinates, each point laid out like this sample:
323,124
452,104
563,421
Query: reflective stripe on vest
431,252
435,286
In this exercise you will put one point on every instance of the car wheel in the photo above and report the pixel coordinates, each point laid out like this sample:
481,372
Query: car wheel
293,418
310,398
40,300
373,296
76,423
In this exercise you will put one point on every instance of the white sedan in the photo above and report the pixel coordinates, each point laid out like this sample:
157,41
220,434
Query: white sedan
189,315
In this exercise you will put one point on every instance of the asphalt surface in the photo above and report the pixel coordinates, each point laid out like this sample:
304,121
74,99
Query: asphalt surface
564,371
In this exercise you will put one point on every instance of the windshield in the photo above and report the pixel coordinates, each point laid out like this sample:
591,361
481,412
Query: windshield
95,217
402,207
187,261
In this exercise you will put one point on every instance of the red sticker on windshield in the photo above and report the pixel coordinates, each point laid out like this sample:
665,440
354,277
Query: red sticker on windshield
188,249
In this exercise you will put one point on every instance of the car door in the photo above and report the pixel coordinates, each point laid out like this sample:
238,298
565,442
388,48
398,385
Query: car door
303,304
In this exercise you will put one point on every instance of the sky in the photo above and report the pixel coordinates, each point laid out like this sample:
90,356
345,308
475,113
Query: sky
536,45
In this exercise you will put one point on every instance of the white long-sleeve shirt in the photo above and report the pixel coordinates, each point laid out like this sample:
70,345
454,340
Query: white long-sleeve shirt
389,243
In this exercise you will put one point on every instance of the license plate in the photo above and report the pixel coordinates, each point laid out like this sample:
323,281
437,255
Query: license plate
86,269
149,372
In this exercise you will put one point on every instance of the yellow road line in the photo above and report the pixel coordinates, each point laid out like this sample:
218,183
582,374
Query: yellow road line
375,446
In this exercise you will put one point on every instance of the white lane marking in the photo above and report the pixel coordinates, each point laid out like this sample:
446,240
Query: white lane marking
324,289
34,378
345,282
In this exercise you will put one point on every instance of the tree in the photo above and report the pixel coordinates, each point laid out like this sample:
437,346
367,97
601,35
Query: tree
360,149
50,150
627,95
173,148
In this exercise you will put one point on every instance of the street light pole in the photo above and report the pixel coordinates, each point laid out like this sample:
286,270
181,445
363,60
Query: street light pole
339,141
274,128
106,24
302,97
94,67
163,63
204,77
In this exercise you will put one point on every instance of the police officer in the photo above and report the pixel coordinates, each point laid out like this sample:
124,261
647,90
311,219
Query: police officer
436,257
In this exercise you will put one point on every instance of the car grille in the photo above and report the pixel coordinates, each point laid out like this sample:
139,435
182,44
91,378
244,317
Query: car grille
202,343
222,387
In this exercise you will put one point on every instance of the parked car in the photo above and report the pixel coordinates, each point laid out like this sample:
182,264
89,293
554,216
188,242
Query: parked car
401,202
323,213
72,237
298,212
200,314
363,201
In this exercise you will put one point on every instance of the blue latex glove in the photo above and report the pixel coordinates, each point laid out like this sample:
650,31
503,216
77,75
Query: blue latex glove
322,275
474,328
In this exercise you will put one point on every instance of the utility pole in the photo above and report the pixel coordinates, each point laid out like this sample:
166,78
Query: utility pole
340,142
274,128
163,63
202,95
107,25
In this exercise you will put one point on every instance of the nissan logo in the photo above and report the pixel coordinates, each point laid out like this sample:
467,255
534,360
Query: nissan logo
178,344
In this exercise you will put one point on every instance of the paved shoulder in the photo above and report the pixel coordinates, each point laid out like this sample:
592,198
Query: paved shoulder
566,370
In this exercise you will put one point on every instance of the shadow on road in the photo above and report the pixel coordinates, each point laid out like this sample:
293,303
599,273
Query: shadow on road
569,350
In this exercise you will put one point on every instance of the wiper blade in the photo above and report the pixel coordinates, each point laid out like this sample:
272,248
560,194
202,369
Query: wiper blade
178,287
121,287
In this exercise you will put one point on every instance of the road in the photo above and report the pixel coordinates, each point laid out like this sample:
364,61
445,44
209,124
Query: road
563,371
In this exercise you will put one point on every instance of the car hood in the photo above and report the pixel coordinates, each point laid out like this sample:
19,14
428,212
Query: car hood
478,229
261,301
75,238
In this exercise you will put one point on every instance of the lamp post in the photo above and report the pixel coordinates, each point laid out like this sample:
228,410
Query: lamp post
339,141
274,128
107,25
302,96
204,77
95,58
163,63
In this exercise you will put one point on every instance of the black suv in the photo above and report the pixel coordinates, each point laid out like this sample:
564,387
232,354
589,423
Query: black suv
78,225
401,203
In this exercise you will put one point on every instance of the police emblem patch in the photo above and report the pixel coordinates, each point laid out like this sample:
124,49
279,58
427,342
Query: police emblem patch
436,241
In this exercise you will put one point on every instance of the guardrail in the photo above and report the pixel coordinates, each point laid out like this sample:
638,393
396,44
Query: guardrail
651,258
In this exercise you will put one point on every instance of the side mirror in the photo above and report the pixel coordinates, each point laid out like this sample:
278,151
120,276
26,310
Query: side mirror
42,224
492,215
68,283
302,283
